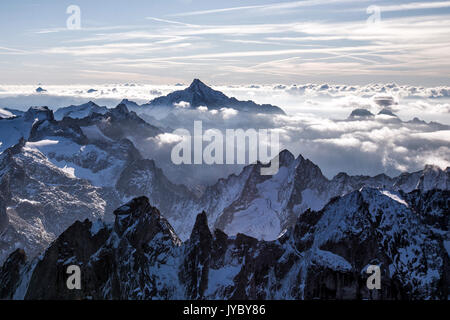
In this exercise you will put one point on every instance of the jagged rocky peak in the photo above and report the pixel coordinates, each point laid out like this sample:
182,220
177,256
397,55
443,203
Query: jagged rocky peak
91,103
309,168
129,104
201,230
51,128
121,108
122,112
40,113
141,222
362,228
128,213
286,158
199,94
434,177
324,257
135,207
79,111
199,86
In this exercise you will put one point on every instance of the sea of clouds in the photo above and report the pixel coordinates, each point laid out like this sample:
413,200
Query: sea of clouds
316,124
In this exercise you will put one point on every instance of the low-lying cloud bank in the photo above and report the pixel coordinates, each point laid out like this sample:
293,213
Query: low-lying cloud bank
379,144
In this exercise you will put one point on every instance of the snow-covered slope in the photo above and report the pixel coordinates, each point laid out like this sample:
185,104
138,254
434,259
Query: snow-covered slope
131,105
12,129
73,169
5,114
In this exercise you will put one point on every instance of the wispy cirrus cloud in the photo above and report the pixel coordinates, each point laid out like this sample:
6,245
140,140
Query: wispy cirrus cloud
5,50
267,7
415,6
112,48
267,42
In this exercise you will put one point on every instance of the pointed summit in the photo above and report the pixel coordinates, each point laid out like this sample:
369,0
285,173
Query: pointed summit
4,219
203,93
129,103
197,84
200,87
286,157
201,231
121,108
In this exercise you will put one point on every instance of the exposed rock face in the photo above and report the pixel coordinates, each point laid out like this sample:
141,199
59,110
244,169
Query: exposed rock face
324,256
10,274
3,216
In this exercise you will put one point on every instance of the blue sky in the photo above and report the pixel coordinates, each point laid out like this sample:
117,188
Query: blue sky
226,42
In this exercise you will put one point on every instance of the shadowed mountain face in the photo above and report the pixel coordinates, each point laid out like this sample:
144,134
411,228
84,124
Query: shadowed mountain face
198,94
325,255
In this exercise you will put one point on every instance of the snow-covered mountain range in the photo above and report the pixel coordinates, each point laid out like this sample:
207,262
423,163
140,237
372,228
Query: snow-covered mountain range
53,173
288,231
324,255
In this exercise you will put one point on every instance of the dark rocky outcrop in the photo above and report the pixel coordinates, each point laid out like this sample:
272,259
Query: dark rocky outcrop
324,256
